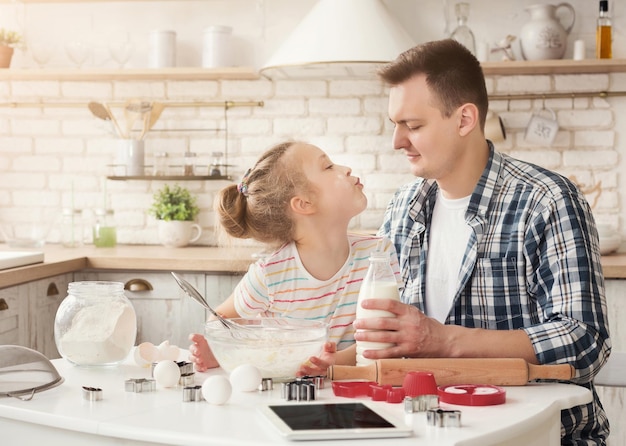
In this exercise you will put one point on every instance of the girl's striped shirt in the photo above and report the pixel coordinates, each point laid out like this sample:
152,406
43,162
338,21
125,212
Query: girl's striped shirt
280,286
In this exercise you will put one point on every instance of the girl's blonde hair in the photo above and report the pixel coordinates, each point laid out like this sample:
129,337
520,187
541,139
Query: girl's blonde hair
258,207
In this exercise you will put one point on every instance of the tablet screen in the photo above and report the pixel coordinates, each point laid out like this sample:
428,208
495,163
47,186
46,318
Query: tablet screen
332,420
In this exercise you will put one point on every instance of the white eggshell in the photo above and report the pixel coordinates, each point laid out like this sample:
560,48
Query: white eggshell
166,373
246,378
168,351
216,389
145,354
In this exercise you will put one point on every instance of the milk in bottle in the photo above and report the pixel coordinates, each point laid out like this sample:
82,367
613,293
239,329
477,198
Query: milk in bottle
379,283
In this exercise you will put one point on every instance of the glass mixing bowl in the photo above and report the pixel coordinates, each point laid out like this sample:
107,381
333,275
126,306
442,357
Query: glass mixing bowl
276,346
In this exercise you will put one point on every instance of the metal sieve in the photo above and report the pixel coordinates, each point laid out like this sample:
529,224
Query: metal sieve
24,371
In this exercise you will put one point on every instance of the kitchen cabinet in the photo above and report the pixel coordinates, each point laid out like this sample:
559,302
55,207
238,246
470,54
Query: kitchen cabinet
164,311
614,398
44,298
28,318
14,315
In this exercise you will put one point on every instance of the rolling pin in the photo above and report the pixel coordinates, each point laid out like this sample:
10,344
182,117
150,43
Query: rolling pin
454,371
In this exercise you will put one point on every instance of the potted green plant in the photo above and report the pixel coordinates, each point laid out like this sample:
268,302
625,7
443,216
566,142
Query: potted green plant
175,209
9,40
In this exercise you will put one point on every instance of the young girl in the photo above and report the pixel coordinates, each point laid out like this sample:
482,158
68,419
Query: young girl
297,199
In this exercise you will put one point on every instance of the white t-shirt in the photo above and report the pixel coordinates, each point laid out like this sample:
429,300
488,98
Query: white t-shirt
448,239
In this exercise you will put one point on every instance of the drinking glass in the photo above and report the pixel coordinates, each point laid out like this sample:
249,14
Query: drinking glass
121,50
41,52
78,52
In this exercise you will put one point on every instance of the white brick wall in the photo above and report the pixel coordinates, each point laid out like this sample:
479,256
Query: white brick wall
48,151
55,150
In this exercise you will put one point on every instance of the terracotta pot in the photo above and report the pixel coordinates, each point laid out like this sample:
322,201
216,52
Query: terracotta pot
6,53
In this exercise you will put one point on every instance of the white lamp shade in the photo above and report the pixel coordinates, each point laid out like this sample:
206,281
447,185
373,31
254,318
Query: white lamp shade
340,32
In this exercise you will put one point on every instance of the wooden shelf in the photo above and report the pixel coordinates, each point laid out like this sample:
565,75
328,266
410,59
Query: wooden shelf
147,74
171,177
561,66
516,67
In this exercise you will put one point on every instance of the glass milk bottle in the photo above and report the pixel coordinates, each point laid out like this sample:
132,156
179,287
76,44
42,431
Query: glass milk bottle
379,283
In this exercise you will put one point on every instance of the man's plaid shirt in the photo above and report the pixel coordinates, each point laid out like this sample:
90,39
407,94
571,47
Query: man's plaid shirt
532,263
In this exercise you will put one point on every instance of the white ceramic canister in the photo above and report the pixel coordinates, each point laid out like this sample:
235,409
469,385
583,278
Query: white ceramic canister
96,324
131,155
162,49
216,47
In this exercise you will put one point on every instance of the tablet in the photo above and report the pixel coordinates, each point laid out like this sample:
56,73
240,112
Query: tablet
332,421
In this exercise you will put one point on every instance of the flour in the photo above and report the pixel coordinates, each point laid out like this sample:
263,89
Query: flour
100,334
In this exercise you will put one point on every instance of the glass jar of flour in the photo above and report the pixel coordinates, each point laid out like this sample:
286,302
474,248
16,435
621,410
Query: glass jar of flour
95,324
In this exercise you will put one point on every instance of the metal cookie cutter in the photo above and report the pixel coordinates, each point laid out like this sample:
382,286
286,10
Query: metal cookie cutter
192,393
301,389
420,403
318,380
92,393
266,384
187,379
139,385
185,367
443,418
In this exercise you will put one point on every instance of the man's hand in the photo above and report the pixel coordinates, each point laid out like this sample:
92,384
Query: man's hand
413,333
416,335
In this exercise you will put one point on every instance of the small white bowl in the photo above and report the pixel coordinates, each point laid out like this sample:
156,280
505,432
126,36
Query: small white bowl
609,244
609,238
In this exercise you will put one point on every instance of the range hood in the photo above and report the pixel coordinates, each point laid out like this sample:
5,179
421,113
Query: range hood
340,38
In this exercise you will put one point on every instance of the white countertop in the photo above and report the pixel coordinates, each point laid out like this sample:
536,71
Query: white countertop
60,415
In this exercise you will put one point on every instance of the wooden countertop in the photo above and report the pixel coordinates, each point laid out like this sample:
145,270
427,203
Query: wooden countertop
202,259
60,260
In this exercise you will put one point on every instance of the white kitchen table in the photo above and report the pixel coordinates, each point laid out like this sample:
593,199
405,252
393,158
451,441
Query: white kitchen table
61,416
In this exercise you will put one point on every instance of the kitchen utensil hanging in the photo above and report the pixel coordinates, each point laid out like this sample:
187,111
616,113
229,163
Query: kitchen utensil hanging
135,110
102,111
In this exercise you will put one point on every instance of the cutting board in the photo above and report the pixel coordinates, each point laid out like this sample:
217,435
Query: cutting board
12,259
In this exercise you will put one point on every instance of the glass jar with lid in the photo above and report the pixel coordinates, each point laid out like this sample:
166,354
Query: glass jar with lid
96,324
72,235
160,164
190,161
215,169
104,233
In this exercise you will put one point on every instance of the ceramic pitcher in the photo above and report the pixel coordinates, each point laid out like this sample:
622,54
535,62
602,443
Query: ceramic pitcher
544,36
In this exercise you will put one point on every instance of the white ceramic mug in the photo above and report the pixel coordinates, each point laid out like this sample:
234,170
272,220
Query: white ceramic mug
176,234
494,128
542,129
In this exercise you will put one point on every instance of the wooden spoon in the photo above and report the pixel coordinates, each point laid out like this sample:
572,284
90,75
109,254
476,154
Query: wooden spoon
102,111
155,113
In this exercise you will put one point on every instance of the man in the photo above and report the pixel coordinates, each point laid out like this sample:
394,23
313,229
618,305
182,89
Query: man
500,258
